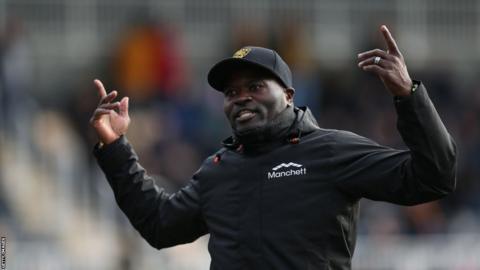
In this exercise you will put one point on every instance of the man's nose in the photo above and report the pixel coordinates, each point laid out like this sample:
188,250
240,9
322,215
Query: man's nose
243,97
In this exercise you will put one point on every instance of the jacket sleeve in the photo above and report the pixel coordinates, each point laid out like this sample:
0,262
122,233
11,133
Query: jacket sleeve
162,219
425,172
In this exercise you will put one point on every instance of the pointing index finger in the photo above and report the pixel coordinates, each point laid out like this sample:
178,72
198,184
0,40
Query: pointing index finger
391,44
101,89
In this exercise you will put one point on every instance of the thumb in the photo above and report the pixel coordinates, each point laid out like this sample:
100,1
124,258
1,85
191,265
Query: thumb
123,110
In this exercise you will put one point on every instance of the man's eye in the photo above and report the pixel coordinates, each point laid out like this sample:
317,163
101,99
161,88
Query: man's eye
255,86
230,92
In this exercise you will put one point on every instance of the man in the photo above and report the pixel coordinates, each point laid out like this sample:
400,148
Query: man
282,193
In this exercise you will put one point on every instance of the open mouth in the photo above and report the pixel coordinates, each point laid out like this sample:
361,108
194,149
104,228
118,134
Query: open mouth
244,115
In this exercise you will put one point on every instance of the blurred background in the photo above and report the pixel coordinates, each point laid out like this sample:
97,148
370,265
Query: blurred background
56,208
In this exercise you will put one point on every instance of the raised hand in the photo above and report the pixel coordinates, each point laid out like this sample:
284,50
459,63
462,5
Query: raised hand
107,122
388,65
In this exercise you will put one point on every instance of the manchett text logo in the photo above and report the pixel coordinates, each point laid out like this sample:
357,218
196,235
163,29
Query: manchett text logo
277,173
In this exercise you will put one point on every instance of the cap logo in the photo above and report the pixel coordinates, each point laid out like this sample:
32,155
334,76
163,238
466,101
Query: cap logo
241,53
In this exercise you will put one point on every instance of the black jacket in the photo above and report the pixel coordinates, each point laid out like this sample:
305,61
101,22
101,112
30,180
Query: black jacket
291,204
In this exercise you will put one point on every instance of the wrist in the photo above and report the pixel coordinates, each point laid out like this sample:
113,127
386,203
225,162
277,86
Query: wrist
109,140
406,90
104,143
415,86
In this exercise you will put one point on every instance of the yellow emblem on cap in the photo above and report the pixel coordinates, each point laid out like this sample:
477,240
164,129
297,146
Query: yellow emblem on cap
241,53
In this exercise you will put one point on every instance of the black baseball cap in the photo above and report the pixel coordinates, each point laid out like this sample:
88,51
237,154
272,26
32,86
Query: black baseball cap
266,59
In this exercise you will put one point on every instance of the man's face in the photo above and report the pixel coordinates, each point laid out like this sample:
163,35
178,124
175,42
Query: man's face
252,99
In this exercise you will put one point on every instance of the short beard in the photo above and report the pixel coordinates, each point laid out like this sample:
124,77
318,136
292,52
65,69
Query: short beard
252,131
281,122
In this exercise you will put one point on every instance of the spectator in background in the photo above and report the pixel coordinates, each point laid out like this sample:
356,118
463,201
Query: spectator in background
293,43
15,80
15,77
149,62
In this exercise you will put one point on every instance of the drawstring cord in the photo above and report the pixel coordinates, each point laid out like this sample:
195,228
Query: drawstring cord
218,156
295,139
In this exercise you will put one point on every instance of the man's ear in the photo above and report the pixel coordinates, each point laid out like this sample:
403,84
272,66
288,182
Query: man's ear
289,93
